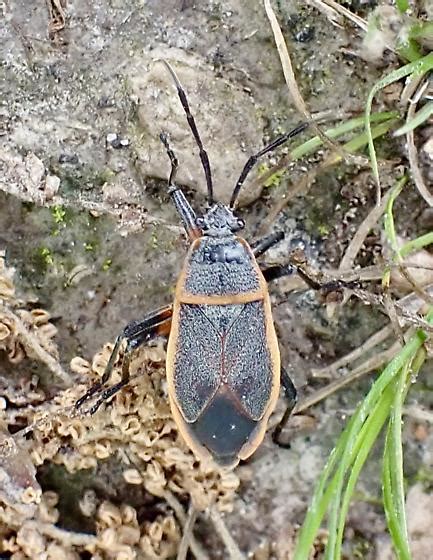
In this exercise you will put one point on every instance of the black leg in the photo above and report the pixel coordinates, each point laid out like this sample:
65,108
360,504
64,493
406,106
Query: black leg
278,271
260,246
325,285
183,207
290,394
253,159
314,280
203,154
155,324
173,160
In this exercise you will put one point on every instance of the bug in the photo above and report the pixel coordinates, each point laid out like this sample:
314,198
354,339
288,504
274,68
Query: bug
223,362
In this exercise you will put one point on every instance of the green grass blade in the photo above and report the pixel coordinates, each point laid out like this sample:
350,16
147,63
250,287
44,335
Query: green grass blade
389,217
367,438
362,139
329,489
420,66
418,119
416,244
360,417
320,500
422,31
310,146
392,474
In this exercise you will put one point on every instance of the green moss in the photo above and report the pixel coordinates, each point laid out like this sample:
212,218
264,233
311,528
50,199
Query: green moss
106,265
43,259
77,179
274,180
323,230
58,213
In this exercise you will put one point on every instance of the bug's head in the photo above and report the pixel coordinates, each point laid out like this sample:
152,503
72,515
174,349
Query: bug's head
219,221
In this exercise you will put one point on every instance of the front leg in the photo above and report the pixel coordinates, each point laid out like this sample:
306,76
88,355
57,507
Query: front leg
273,272
156,323
260,246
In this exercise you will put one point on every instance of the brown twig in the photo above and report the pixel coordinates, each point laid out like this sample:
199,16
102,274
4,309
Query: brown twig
176,506
56,12
233,550
187,533
363,230
294,90
369,365
412,155
331,369
326,5
318,278
62,535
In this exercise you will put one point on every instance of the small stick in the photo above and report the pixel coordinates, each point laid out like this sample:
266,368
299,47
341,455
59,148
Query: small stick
176,506
233,550
373,363
187,533
292,85
413,158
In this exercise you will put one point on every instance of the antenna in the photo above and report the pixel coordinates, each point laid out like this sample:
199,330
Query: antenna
203,154
253,159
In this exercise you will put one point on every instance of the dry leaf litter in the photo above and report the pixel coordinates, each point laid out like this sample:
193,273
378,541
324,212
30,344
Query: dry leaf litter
136,431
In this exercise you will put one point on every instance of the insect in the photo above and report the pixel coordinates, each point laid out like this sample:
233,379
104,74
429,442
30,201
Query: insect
223,361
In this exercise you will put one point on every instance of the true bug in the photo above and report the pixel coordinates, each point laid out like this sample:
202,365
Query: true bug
223,362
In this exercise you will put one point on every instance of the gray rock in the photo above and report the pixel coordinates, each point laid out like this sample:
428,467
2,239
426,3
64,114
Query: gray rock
225,115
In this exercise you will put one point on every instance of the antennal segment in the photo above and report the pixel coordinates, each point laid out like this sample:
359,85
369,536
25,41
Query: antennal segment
253,159
203,154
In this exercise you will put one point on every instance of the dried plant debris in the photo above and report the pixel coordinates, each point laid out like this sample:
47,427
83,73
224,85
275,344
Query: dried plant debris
24,332
135,435
57,18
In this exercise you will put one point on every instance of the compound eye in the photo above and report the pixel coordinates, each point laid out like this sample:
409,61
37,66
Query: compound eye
241,223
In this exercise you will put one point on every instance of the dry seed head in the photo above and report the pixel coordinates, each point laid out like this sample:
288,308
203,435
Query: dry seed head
136,430
88,503
30,540
57,552
31,495
129,515
129,535
100,360
132,476
161,539
47,512
80,366
109,515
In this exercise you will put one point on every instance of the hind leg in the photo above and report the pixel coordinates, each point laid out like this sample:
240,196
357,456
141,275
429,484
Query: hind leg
155,324
291,396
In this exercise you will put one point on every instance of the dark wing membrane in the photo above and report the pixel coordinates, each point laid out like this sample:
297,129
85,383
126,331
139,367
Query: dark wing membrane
223,428
247,360
197,365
